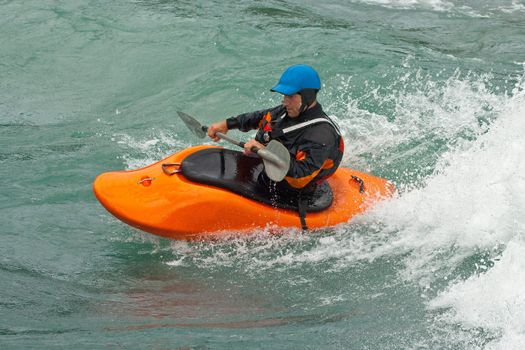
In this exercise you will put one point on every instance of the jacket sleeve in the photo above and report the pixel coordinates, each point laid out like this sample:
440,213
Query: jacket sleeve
315,154
249,121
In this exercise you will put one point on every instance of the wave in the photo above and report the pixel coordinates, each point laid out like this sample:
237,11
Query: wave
456,230
468,215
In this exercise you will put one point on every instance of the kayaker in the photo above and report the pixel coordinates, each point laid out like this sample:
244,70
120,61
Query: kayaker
301,125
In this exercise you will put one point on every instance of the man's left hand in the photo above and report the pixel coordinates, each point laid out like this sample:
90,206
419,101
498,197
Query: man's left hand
250,144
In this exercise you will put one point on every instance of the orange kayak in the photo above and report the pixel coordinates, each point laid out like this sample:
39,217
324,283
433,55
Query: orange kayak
162,200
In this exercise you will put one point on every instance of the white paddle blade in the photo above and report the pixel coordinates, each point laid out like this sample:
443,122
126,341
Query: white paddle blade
192,124
276,159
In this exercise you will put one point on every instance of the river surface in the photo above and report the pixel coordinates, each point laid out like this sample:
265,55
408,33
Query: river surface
428,93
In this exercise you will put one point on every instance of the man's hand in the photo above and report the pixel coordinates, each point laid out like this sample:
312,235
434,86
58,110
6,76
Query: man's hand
248,146
217,127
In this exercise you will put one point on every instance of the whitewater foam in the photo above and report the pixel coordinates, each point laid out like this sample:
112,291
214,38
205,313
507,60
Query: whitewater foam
473,203
436,5
493,300
147,149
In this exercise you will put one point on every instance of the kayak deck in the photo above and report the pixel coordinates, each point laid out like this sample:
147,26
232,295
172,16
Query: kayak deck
238,173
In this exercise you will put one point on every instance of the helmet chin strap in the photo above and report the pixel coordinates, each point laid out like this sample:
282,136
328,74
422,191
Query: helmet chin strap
304,107
307,98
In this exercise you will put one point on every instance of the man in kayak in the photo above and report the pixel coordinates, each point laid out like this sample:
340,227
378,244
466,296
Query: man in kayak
300,124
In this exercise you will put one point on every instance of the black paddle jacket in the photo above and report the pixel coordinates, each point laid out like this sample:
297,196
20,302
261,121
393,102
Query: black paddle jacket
316,149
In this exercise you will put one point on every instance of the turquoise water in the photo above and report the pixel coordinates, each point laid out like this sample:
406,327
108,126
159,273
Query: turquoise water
429,93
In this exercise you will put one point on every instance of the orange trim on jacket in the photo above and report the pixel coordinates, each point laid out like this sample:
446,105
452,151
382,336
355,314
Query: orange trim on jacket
301,155
305,180
265,122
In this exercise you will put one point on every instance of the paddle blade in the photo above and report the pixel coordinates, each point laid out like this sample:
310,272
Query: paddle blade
276,159
193,124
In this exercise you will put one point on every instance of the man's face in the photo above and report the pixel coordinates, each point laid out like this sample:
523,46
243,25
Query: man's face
293,104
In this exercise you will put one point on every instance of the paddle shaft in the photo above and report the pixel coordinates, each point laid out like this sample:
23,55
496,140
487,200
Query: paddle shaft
235,142
274,155
264,154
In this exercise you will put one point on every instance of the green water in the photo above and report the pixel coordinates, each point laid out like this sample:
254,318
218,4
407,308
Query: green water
428,93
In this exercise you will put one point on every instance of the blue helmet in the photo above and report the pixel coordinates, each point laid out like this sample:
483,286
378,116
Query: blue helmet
297,78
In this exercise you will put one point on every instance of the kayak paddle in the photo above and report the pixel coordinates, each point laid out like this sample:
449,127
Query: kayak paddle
275,156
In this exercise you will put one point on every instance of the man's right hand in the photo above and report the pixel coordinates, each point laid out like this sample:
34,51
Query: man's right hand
217,127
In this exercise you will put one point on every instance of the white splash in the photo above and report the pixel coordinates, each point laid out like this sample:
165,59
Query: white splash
421,109
494,300
148,149
474,203
471,8
436,5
